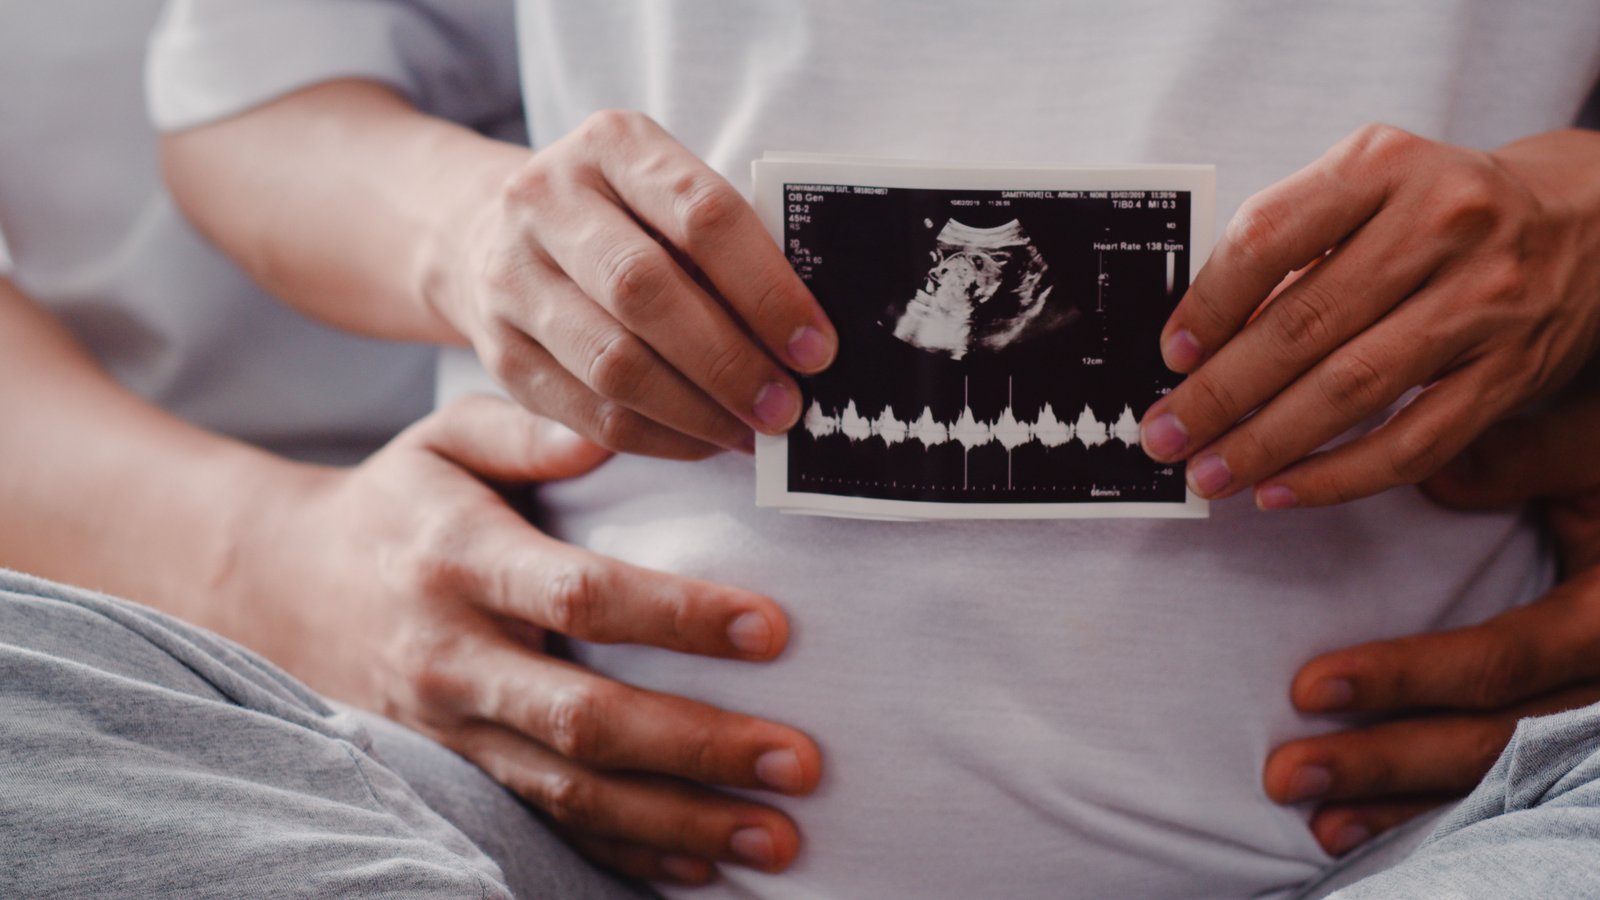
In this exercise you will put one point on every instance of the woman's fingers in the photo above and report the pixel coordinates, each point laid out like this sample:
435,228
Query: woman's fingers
1544,646
1276,232
539,382
1342,827
699,213
663,814
1412,445
606,725
1306,325
499,441
513,571
638,282
642,862
618,365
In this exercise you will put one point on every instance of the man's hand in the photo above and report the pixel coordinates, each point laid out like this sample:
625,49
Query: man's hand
1475,276
1460,693
424,596
621,286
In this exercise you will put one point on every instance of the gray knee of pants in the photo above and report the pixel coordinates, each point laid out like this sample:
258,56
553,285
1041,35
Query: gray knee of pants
141,757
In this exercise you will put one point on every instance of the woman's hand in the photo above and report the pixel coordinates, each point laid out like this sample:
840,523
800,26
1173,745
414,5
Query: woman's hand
415,590
1410,263
1457,696
622,287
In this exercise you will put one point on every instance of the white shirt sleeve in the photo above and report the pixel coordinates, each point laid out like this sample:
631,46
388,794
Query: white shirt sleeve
210,59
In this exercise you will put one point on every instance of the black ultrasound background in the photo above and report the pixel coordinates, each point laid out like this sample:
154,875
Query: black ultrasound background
874,254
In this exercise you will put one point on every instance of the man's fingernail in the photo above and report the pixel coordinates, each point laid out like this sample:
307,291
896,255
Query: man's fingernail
683,868
809,350
780,770
1349,837
751,634
754,846
776,406
1209,475
1276,496
1181,352
1334,693
1164,437
1309,782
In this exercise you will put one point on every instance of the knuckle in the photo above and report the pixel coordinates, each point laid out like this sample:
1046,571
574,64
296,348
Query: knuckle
703,756
706,204
727,368
1255,231
1215,400
635,278
1467,204
619,369
576,722
1501,677
436,562
570,799
1306,319
529,185
1417,452
1382,143
574,601
607,126
617,428
1500,279
1352,385
433,659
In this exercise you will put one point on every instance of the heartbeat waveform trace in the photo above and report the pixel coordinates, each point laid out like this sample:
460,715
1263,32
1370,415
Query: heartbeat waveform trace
970,431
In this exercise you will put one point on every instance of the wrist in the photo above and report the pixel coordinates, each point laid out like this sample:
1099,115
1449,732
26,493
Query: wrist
448,262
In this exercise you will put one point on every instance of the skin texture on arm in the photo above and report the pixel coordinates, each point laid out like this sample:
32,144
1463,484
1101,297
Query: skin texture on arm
611,280
410,587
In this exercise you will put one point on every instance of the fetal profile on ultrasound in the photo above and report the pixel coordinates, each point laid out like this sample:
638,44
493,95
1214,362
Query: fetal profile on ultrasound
995,347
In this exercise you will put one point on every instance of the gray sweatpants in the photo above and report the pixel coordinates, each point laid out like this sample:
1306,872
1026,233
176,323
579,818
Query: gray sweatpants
141,757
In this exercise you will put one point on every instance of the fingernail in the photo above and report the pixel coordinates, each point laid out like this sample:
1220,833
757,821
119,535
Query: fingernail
1308,782
1349,837
1164,438
1208,475
1276,496
1334,693
683,868
754,846
1181,352
780,770
751,634
776,407
809,350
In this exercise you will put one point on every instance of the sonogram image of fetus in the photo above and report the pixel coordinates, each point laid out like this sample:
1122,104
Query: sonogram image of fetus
988,288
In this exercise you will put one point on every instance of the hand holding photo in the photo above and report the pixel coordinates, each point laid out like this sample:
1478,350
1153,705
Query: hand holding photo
999,336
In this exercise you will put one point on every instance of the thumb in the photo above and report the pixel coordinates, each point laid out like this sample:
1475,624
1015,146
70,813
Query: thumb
1550,453
498,440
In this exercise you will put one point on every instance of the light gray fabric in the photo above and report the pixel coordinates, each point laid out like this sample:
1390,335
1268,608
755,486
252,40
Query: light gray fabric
535,863
1530,829
141,757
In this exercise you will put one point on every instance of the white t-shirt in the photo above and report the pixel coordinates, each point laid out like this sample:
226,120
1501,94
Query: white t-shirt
1024,709
95,240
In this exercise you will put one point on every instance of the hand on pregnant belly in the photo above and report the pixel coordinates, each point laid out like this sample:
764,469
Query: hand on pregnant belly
428,598
1411,264
622,287
1458,695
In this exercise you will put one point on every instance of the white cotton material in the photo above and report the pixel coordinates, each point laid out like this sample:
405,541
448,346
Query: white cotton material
95,240
1047,709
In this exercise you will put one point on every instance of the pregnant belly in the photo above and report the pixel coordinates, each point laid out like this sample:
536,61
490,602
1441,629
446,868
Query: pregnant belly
1040,708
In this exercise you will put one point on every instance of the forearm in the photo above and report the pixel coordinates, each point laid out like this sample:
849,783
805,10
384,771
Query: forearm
100,488
344,201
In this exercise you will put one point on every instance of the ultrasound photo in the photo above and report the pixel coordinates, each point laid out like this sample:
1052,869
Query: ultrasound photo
998,345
